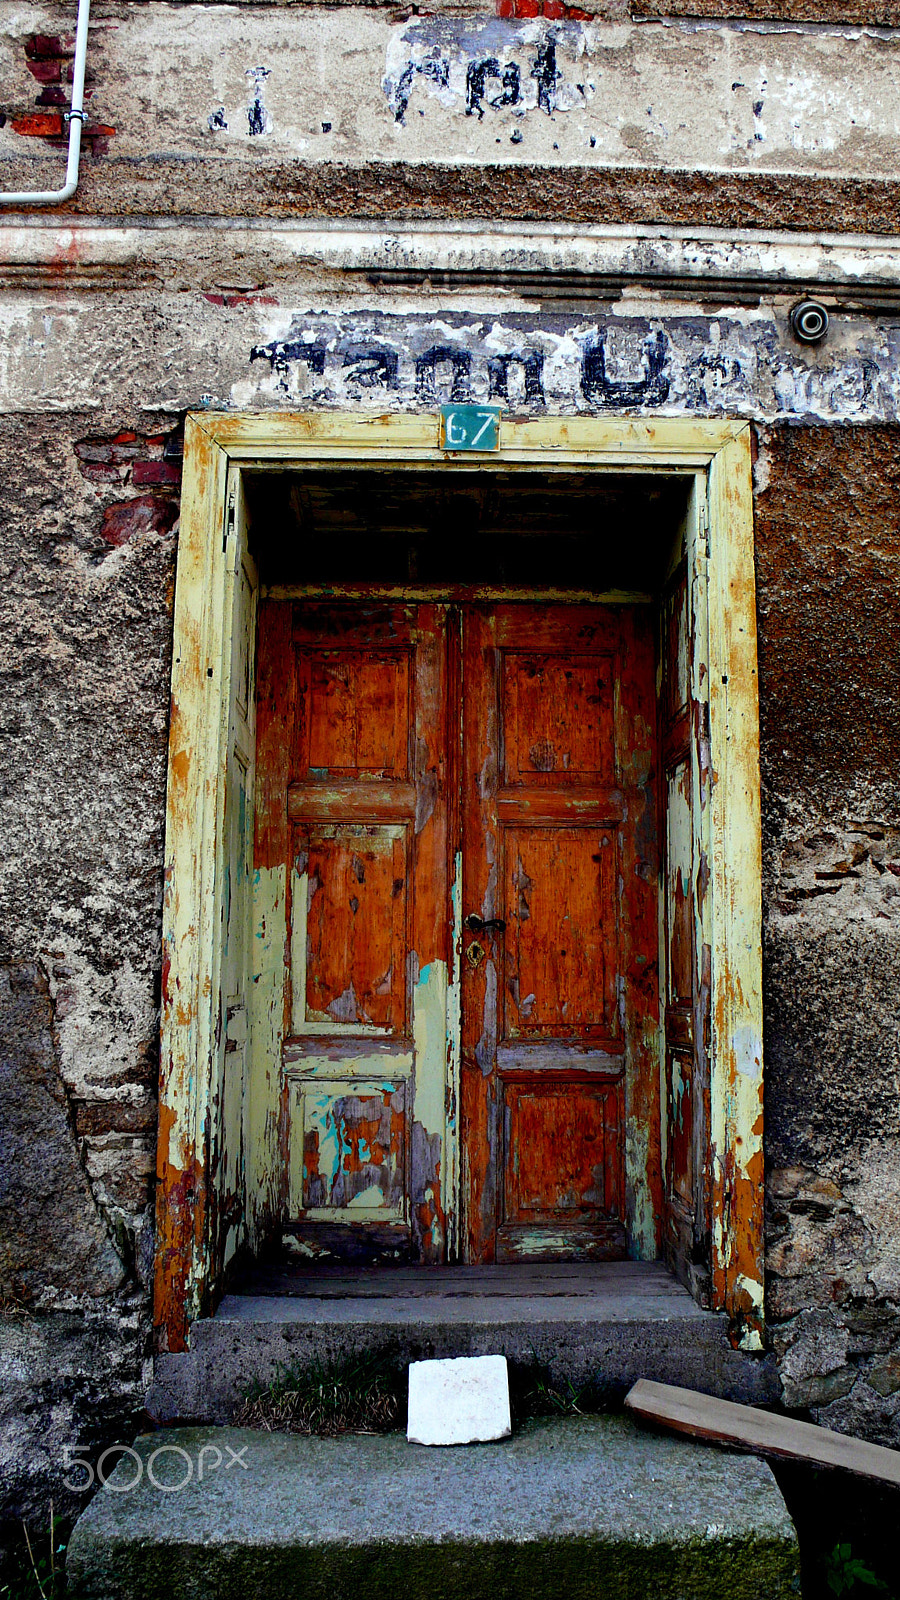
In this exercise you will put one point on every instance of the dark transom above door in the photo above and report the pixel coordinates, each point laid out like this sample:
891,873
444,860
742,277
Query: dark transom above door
465,803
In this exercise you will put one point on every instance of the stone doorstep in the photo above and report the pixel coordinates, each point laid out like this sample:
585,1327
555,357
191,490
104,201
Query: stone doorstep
642,1325
595,1508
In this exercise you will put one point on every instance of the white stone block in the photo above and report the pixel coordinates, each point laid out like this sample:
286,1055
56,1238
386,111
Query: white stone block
463,1401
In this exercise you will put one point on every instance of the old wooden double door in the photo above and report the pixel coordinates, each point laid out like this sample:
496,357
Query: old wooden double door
465,800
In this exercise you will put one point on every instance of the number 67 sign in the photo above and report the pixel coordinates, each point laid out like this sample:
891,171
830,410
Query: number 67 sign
470,428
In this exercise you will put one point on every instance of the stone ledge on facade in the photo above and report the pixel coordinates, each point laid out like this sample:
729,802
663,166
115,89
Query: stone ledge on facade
525,262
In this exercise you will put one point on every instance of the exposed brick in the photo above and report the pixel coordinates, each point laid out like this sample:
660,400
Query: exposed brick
39,125
145,514
52,125
41,46
153,459
553,9
95,452
112,1116
45,71
69,77
88,450
235,300
156,472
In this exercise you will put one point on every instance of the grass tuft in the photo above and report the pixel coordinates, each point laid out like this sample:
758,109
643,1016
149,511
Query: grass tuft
358,1394
34,1567
368,1394
533,1392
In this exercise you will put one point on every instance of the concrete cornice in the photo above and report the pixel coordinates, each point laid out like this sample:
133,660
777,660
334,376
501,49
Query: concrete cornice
528,261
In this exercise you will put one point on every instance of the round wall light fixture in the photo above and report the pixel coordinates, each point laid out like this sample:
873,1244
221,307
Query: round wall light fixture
809,321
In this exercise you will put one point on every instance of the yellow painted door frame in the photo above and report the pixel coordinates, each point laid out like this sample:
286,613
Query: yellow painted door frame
209,999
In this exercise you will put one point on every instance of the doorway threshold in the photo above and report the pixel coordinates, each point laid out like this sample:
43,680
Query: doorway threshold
606,1323
611,1290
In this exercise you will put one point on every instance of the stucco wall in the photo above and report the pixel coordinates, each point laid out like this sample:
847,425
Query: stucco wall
829,609
612,114
84,665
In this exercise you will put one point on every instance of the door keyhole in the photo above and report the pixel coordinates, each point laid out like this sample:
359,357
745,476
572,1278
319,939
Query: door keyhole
475,954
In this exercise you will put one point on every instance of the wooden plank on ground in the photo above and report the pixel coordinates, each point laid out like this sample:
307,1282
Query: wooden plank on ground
766,1433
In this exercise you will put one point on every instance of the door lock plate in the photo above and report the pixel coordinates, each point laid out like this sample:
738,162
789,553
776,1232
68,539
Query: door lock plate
475,954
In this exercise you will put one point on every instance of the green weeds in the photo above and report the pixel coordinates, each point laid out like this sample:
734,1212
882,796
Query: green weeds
533,1392
359,1394
367,1394
35,1567
846,1574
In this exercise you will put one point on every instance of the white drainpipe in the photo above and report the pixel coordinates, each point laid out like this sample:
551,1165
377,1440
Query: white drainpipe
55,197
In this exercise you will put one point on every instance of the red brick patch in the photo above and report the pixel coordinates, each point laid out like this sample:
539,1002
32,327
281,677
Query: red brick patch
45,46
156,472
48,57
53,95
146,513
554,10
39,125
233,301
50,125
45,71
130,459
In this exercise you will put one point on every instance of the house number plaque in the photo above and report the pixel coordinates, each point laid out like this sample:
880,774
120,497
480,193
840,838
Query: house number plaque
470,428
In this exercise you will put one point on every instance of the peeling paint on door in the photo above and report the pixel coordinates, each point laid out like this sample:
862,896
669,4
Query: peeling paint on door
560,1098
357,782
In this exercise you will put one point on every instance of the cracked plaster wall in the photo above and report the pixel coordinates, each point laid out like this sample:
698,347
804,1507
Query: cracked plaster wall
786,118
828,578
84,669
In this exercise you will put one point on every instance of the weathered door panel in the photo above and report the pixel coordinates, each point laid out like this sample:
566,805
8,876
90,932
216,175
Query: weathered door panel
560,1087
227,1156
364,1058
687,959
266,1103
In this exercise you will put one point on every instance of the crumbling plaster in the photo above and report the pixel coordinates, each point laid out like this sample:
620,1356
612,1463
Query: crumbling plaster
171,352
84,667
355,86
828,578
285,99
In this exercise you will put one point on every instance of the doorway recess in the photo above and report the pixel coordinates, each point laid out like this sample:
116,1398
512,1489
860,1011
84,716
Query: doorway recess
462,892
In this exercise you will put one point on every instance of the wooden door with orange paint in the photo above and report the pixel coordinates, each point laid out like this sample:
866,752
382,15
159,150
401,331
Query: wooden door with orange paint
352,808
560,1051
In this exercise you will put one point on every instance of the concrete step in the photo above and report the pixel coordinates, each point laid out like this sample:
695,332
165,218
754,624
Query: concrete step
595,1508
610,1324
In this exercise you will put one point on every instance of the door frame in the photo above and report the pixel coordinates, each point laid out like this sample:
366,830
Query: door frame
199,1226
